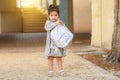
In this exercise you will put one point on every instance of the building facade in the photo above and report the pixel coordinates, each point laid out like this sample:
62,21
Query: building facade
94,16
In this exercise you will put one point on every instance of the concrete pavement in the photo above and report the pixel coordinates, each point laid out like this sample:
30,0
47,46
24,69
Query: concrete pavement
22,58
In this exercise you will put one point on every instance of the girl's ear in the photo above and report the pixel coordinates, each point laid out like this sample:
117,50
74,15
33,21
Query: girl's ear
47,17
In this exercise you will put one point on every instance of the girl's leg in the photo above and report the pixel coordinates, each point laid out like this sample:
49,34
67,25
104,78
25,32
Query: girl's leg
60,67
59,62
50,62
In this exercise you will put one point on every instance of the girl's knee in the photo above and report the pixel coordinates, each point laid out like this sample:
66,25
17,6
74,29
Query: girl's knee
50,57
59,58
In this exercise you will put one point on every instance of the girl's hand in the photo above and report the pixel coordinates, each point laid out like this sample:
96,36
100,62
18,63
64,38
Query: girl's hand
59,22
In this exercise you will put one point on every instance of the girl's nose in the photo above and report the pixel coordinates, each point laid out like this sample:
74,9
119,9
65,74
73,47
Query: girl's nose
54,17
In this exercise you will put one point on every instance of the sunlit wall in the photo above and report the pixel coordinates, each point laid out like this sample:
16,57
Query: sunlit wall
82,16
7,5
102,23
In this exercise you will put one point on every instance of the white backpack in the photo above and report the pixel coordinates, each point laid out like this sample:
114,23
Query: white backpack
61,36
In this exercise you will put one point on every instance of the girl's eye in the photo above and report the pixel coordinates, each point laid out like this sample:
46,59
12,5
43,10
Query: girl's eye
56,15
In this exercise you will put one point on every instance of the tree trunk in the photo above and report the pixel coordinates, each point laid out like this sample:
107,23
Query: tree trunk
114,55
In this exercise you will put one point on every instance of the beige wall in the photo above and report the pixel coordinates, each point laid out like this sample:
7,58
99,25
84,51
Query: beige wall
82,15
7,5
102,23
10,18
0,22
10,22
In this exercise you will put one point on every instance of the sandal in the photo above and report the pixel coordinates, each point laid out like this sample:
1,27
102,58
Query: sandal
50,73
62,73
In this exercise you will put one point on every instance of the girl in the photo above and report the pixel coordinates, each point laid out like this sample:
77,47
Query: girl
52,51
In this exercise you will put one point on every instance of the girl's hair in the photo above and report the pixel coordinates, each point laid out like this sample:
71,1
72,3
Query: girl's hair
53,7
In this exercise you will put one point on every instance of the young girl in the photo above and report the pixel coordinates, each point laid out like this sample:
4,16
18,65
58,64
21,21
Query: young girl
51,50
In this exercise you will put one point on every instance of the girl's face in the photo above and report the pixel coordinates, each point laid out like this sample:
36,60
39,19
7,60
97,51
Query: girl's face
53,16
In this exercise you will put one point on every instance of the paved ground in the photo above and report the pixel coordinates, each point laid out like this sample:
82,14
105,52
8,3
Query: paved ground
22,58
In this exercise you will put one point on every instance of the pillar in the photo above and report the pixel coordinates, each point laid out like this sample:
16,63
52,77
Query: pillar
96,23
66,13
0,22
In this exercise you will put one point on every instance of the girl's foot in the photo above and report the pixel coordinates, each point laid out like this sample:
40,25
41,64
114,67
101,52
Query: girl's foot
62,73
50,73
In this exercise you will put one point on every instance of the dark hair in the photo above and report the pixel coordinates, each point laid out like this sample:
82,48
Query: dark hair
53,7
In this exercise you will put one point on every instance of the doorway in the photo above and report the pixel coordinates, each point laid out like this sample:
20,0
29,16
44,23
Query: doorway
33,15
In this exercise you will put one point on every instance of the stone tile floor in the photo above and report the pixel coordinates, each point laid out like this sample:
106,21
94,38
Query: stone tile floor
22,58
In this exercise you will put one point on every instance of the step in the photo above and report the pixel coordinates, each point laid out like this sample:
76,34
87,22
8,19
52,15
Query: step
41,25
27,31
34,17
34,20
33,24
33,28
37,11
33,10
33,14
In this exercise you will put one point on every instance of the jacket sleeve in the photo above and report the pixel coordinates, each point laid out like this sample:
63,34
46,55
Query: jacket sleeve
49,25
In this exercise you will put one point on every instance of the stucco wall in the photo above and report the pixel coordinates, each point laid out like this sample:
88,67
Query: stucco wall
102,23
10,22
10,17
7,5
0,22
82,15
37,3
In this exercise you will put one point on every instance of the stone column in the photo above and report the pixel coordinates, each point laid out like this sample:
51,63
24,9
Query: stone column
102,23
107,23
66,13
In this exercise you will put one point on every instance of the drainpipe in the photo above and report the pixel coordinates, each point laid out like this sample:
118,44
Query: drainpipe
0,23
41,3
21,15
47,4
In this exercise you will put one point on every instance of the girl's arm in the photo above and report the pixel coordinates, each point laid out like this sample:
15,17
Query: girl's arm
49,25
